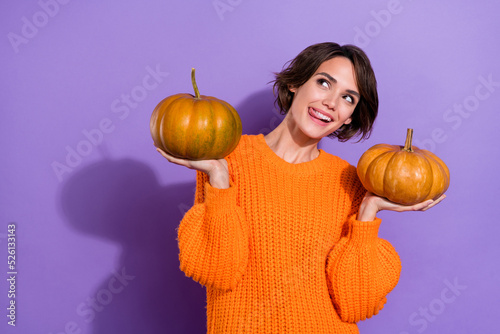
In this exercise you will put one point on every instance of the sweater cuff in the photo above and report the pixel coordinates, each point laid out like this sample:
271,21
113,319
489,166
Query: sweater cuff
220,200
365,231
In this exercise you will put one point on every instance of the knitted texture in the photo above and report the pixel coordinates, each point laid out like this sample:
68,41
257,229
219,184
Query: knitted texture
281,251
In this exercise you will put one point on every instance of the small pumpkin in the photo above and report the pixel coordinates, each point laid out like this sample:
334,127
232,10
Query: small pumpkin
403,174
195,127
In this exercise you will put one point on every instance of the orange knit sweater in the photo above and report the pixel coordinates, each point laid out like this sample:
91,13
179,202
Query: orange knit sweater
281,251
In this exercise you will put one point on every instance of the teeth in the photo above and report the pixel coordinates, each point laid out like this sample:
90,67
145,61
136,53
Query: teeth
323,117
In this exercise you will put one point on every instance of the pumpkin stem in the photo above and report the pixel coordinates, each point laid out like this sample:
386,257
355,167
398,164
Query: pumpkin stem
409,136
195,86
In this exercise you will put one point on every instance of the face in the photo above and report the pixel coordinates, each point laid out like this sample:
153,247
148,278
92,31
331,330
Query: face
327,100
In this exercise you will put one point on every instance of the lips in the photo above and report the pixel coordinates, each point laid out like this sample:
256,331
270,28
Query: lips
320,117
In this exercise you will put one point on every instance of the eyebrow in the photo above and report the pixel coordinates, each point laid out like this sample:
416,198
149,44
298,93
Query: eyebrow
332,79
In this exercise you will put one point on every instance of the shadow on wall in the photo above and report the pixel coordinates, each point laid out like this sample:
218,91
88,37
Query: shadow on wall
122,201
258,113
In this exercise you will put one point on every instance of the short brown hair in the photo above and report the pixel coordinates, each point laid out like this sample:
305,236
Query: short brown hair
296,72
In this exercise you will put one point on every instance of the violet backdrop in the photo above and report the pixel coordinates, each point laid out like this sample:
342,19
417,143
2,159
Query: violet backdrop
96,207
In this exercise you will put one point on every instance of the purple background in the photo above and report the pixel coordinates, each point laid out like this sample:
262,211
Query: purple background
96,247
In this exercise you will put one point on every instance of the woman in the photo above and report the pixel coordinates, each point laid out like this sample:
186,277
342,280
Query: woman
282,234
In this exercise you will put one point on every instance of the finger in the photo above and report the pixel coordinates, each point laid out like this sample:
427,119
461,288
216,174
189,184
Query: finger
421,206
434,203
442,197
173,159
164,154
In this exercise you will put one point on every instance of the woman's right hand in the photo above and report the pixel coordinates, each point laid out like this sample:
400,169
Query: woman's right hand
217,170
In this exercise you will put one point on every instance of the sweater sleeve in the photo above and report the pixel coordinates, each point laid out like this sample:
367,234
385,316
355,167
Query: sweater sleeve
213,238
361,268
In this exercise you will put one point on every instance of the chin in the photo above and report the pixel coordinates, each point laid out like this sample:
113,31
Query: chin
316,134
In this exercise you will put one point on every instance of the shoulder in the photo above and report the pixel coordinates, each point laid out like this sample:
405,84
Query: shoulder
342,165
246,143
243,152
347,174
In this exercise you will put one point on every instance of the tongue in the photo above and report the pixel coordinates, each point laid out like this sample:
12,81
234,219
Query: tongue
316,115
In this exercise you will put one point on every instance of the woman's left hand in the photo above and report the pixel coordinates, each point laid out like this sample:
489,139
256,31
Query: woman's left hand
372,204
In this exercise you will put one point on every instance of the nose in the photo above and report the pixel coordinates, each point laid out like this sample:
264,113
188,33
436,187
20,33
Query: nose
331,100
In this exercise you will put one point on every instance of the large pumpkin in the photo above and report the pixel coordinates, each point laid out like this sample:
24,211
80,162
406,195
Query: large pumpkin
403,174
195,127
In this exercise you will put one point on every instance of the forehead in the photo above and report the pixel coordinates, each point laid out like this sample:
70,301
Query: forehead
340,68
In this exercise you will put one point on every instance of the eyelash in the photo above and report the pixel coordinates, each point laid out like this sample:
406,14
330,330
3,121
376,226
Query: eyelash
352,99
322,81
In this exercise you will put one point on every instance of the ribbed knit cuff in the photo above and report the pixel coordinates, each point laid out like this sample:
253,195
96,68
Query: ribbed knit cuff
219,201
365,231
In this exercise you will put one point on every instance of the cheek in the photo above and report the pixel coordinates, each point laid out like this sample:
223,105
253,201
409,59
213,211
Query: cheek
304,97
308,93
347,114
347,109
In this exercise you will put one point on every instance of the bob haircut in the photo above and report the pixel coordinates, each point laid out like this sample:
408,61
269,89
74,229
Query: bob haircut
296,72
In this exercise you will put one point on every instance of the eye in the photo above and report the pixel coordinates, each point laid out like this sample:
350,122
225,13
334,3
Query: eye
323,82
349,99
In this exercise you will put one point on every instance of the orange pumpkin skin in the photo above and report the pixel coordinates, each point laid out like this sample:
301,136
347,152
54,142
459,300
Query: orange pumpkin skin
195,127
405,175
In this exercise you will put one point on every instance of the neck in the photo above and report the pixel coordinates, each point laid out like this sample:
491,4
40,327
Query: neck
291,144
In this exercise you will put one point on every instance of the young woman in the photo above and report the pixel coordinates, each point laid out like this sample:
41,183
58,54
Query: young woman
282,234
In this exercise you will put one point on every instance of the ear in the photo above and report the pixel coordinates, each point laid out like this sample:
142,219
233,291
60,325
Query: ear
348,121
292,89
